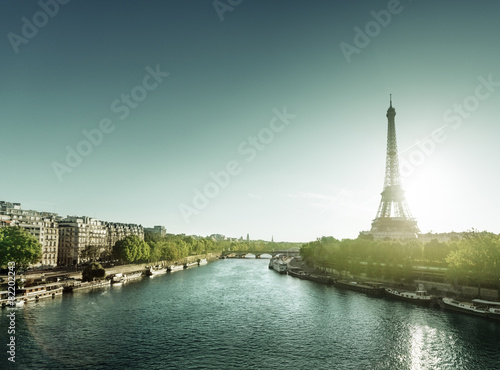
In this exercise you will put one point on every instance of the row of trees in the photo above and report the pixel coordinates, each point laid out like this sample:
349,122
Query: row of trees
172,247
473,259
331,251
132,249
476,260
17,245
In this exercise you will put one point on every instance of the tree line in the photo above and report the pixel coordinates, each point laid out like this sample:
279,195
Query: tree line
171,247
17,245
472,260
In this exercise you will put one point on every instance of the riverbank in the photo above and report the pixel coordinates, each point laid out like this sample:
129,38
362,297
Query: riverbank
43,276
47,284
435,288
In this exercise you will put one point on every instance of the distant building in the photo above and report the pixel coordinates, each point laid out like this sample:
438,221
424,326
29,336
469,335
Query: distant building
4,220
158,229
118,231
6,206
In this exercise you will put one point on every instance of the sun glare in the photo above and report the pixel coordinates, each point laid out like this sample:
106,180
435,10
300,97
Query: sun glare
430,193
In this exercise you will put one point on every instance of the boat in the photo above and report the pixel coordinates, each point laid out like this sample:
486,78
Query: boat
35,293
173,268
279,265
478,307
74,285
155,270
464,307
120,278
322,279
8,299
190,264
297,273
132,275
374,289
420,296
4,299
54,289
493,308
117,279
202,261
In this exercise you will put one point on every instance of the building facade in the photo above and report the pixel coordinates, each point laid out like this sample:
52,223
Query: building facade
42,225
158,229
72,240
81,239
84,239
119,231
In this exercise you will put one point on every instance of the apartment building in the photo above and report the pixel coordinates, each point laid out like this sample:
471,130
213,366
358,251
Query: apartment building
69,241
81,239
42,225
158,229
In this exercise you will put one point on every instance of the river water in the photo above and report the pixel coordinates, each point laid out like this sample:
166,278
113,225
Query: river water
233,314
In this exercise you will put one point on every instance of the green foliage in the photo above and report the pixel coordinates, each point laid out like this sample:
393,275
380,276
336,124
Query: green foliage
391,260
131,249
476,259
90,253
473,259
175,247
93,271
17,245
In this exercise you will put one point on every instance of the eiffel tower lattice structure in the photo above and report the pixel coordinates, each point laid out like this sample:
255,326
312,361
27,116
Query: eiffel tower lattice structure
393,220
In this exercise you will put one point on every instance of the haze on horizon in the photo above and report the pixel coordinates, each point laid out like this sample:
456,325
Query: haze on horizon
281,105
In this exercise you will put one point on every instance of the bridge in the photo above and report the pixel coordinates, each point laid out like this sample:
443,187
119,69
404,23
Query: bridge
257,254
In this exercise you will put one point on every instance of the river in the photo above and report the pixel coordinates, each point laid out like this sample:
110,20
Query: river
238,314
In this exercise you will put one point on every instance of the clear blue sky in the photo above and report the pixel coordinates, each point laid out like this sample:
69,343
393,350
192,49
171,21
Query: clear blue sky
229,72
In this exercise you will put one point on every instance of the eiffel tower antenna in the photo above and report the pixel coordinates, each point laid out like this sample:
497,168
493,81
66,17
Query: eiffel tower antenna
393,218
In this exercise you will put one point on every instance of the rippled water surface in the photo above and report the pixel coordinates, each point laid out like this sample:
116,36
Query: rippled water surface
239,314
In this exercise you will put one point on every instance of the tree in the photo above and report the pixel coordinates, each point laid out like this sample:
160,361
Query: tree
17,245
477,259
131,249
90,253
94,271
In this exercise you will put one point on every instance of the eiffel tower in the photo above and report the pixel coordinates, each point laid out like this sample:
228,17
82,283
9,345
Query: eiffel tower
393,220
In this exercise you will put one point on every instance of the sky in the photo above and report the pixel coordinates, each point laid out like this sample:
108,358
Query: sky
254,116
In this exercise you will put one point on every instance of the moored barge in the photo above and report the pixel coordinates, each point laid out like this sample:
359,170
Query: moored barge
419,296
374,289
